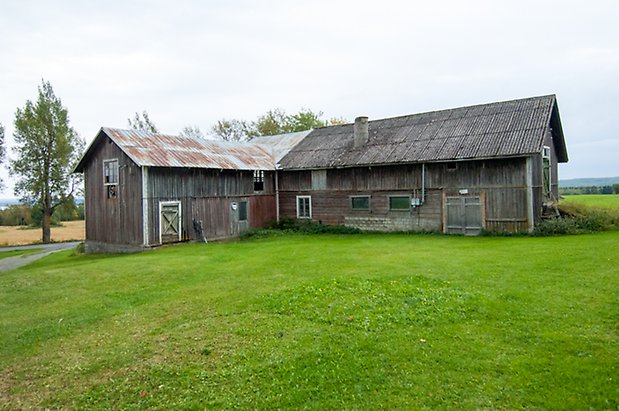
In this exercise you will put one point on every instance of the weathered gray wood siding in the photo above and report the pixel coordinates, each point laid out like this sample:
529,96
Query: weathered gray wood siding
113,220
206,195
501,184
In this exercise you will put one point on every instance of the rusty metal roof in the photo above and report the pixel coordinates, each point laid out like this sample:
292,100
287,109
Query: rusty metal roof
161,150
502,129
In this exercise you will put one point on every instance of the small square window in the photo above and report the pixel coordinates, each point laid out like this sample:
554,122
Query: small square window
546,152
399,203
111,191
452,166
258,180
360,202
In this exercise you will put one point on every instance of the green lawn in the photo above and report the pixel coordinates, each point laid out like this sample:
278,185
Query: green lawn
597,200
319,322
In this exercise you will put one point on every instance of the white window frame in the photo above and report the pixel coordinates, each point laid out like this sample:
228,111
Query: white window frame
310,206
180,216
106,162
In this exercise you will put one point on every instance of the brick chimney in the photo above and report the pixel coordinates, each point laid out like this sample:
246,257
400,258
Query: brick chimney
361,133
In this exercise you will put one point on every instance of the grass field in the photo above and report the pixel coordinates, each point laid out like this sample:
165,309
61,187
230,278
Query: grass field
319,322
597,200
16,235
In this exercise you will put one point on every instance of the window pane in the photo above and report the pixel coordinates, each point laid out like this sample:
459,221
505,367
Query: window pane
360,203
110,171
242,210
399,203
303,207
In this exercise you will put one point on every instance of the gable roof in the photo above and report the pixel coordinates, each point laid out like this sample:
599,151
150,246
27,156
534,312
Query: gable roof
502,129
161,150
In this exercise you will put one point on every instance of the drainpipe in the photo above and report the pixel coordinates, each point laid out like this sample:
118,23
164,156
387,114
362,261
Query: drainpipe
145,228
276,196
423,183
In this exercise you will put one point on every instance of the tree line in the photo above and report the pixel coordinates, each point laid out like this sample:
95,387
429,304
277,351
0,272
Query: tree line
47,149
273,122
612,189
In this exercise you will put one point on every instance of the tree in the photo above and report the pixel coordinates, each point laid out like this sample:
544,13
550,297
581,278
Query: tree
47,148
192,131
273,122
2,150
232,130
142,123
616,188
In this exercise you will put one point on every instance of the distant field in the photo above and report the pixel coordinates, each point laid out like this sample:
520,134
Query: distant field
318,322
70,230
598,200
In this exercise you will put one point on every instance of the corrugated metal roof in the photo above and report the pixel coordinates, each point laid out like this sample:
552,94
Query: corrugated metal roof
161,150
502,129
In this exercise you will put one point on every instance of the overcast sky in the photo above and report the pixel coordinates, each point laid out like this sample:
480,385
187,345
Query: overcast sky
194,62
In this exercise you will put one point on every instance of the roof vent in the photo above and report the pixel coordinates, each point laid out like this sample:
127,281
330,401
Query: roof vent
361,133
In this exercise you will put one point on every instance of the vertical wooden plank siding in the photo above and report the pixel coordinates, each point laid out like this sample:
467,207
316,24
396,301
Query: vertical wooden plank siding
502,184
206,195
113,220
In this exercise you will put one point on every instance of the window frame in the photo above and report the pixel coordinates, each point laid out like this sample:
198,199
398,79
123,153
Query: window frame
408,196
106,167
309,206
246,206
546,168
258,180
352,199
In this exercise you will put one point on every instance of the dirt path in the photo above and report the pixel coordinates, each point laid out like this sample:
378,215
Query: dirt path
11,263
70,231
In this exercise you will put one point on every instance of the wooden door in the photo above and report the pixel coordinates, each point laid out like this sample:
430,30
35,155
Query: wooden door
170,218
464,215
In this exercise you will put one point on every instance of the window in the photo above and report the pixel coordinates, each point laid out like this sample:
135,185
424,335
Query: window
110,172
399,203
452,166
110,177
258,180
304,207
242,210
547,186
360,202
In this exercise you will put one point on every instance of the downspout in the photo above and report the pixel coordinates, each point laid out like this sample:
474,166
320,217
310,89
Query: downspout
530,197
276,196
423,183
145,231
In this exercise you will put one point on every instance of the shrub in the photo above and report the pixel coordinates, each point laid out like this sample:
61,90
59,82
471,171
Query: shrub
579,219
289,225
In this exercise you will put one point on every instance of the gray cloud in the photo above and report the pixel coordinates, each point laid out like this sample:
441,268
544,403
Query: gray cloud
193,62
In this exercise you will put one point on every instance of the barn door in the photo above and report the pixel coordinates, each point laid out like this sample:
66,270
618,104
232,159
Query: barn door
463,215
170,219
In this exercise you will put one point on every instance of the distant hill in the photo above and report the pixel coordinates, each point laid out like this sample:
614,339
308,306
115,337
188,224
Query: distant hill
589,182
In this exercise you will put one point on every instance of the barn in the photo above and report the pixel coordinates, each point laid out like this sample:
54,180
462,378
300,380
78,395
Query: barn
486,167
144,189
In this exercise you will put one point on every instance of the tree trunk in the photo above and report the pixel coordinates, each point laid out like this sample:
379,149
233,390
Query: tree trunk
46,227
